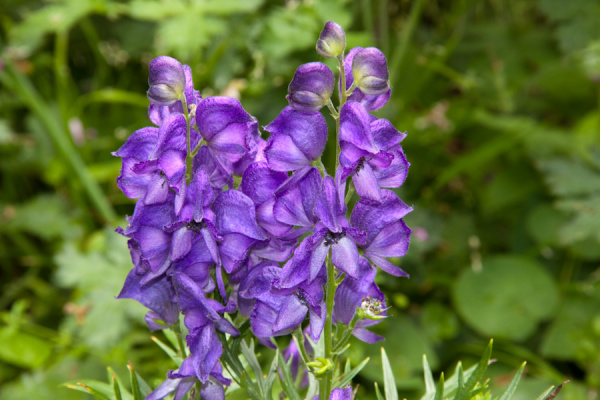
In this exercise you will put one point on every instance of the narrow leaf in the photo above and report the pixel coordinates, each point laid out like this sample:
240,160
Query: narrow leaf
510,390
116,388
389,383
97,394
248,352
429,382
439,391
544,395
464,392
271,375
378,393
173,355
286,378
556,391
346,378
135,385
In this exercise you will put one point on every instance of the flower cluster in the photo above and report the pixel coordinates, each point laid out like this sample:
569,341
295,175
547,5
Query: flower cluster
227,222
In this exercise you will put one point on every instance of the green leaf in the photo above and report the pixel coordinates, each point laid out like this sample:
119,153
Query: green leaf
570,177
248,352
389,383
173,355
439,390
429,382
286,378
507,298
23,349
346,378
98,277
377,392
464,392
100,390
512,386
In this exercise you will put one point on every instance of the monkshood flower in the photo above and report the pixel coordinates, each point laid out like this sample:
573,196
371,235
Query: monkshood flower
370,152
370,72
158,113
364,293
311,87
339,394
386,234
297,139
331,232
226,127
276,311
166,79
236,224
370,102
332,41
154,162
296,199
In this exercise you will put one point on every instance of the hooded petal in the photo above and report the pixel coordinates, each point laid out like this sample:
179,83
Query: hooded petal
355,127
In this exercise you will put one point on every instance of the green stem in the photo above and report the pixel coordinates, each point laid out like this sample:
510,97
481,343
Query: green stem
189,158
325,388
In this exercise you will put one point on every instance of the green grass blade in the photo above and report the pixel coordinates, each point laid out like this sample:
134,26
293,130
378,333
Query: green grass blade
346,378
512,387
389,383
439,390
286,378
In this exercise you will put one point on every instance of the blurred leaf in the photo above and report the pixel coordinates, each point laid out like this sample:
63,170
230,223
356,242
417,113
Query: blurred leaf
58,16
586,220
507,298
289,29
23,349
46,216
572,335
570,177
99,277
183,36
577,21
544,222
438,321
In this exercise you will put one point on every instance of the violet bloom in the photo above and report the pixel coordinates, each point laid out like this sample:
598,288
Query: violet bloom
158,113
236,224
279,311
202,319
364,293
297,139
332,40
386,234
339,394
311,87
226,127
296,199
370,72
370,102
167,81
332,231
370,152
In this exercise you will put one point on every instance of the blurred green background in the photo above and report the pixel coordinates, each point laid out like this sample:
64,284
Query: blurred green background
501,103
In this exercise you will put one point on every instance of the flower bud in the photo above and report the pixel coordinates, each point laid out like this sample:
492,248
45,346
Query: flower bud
311,87
167,81
332,41
370,72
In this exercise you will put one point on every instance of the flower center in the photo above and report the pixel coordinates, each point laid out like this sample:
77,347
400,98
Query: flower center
333,237
196,227
371,306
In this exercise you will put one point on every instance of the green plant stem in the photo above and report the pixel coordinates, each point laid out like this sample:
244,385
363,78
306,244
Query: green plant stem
189,158
60,137
325,387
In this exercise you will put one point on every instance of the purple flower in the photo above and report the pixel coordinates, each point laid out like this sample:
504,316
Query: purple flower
386,234
370,102
167,81
370,152
339,394
296,198
226,127
279,311
370,72
158,113
332,40
236,224
297,139
311,87
354,293
202,319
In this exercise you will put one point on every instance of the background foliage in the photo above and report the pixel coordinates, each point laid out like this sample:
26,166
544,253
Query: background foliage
501,103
